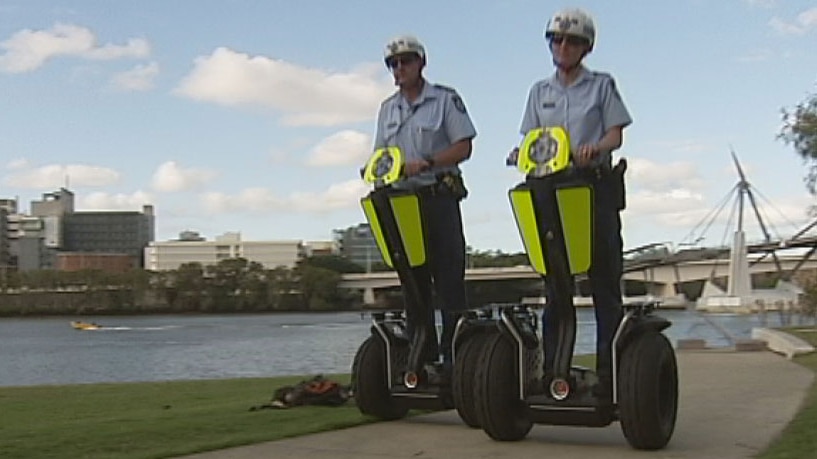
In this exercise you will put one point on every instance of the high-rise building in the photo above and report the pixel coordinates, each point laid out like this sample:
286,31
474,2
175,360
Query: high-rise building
54,227
357,244
9,233
5,247
123,232
54,204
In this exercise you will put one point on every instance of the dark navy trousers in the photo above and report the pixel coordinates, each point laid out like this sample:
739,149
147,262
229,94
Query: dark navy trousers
443,274
604,276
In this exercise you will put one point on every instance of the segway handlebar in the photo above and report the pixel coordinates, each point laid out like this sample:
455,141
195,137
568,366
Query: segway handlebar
543,151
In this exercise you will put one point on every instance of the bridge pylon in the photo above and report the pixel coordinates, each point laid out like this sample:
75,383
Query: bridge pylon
739,296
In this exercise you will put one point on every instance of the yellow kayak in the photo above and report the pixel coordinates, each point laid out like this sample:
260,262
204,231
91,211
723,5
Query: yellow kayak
79,325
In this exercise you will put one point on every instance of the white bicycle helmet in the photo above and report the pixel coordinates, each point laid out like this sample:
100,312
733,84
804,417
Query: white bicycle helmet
573,22
404,44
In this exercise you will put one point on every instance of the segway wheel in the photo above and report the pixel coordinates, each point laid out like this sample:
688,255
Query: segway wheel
370,382
648,391
501,412
462,387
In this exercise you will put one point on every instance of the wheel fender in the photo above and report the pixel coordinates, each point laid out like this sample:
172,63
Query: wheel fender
639,327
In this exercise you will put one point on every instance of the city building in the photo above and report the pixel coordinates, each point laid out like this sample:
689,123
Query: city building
320,248
9,228
109,232
108,262
167,255
357,244
5,246
53,226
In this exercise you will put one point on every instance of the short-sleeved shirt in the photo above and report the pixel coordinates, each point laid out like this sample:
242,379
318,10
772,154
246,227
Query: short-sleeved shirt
587,108
433,122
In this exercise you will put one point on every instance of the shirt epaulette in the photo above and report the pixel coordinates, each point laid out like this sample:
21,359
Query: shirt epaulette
602,75
445,88
395,95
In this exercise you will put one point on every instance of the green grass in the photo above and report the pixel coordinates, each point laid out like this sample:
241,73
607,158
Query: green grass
167,419
154,420
798,439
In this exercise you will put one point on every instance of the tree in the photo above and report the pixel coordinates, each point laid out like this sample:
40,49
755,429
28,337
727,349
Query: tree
187,286
800,130
333,262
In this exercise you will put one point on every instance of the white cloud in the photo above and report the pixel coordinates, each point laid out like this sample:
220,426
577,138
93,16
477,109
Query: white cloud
342,148
29,49
56,175
338,196
306,96
664,177
170,177
263,201
758,55
118,201
139,78
17,164
762,3
680,208
804,22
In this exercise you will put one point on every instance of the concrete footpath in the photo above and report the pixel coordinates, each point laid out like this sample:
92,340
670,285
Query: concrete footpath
732,405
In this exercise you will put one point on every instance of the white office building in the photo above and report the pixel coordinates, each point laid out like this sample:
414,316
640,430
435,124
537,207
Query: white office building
167,255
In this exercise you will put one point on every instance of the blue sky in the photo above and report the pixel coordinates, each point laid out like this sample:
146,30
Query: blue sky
254,116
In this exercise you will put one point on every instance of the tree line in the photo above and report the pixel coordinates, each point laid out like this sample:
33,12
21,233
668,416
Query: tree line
231,285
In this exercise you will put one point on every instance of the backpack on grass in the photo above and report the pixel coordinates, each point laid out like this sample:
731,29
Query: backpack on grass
315,391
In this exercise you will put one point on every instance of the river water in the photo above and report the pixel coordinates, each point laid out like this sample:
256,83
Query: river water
48,350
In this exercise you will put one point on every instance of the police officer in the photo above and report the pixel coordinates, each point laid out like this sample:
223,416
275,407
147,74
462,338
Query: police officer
431,126
588,105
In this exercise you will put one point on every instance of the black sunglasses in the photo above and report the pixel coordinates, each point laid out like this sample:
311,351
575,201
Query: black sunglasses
572,40
404,59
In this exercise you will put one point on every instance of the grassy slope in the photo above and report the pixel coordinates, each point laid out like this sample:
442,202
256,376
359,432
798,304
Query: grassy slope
799,439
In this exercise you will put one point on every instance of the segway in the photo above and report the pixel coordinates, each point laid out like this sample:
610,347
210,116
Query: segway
553,212
393,371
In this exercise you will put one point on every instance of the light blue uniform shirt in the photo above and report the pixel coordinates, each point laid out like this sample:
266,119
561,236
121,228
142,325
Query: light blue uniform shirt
586,109
434,121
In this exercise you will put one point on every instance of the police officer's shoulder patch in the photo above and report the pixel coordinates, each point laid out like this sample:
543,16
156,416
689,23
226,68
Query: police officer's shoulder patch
455,98
458,103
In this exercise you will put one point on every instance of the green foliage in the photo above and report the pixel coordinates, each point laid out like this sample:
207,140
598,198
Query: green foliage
798,439
152,420
333,262
319,288
495,259
800,130
232,285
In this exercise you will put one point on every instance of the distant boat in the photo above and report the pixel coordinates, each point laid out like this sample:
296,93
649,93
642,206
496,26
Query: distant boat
80,325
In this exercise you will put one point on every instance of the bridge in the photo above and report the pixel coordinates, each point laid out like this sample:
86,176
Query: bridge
663,273
664,269
661,269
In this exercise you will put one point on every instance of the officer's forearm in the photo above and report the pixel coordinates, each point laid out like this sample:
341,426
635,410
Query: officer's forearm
611,140
454,154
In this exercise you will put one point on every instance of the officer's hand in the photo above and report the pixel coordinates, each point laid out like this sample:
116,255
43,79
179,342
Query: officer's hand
362,171
585,155
513,157
415,167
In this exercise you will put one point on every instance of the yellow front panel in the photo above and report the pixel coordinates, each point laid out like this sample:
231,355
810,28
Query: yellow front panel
575,211
377,231
406,210
522,204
